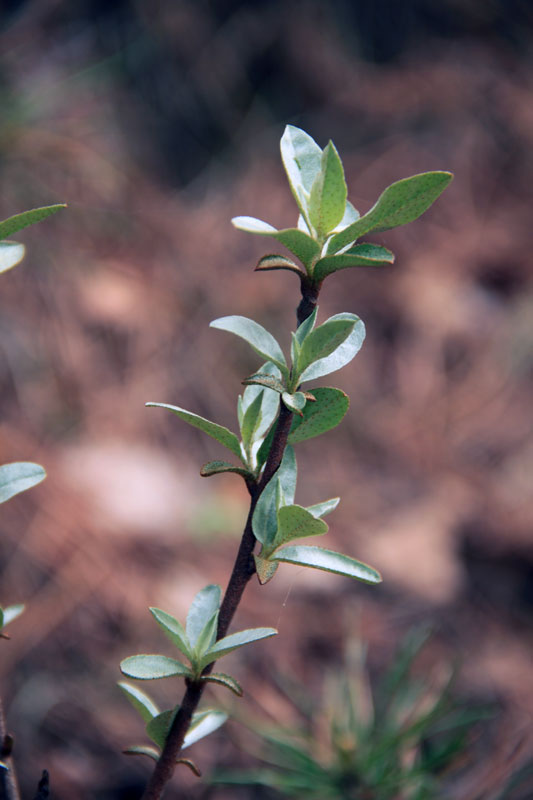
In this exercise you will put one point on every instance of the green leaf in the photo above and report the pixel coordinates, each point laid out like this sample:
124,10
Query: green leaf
270,401
142,750
328,561
140,701
204,642
302,159
301,244
362,255
342,355
235,640
192,766
158,727
324,341
217,467
350,215
11,613
400,203
224,680
265,569
257,337
269,381
295,402
20,221
327,200
272,262
325,413
303,330
264,519
11,254
295,522
173,629
320,510
222,435
204,605
151,667
17,477
251,421
203,723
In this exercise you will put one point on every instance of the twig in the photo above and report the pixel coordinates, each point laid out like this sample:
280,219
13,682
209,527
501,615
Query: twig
8,780
243,569
43,789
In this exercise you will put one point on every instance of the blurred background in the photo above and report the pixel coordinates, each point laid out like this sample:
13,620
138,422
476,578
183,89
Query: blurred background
157,122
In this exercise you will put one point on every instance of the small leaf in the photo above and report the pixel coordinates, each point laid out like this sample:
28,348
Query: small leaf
328,561
222,435
205,640
362,255
400,203
203,723
257,337
327,200
276,262
320,510
265,569
17,477
217,467
173,629
224,680
301,244
295,522
342,355
158,727
269,381
270,401
140,701
324,341
11,254
306,327
264,519
325,413
192,766
294,402
235,640
203,606
11,613
302,159
20,221
350,215
251,421
151,667
142,750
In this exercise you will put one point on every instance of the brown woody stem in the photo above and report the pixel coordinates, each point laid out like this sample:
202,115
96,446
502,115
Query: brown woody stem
243,569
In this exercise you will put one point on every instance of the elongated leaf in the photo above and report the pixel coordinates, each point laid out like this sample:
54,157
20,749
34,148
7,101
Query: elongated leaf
324,341
287,474
265,569
235,640
327,200
400,203
328,561
273,262
224,680
222,435
302,159
205,640
140,701
142,750
270,401
203,723
362,255
218,467
20,221
203,606
173,629
11,613
301,244
265,520
325,413
158,727
17,477
257,337
350,215
269,381
251,420
342,355
295,522
320,510
303,330
11,254
295,402
152,667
